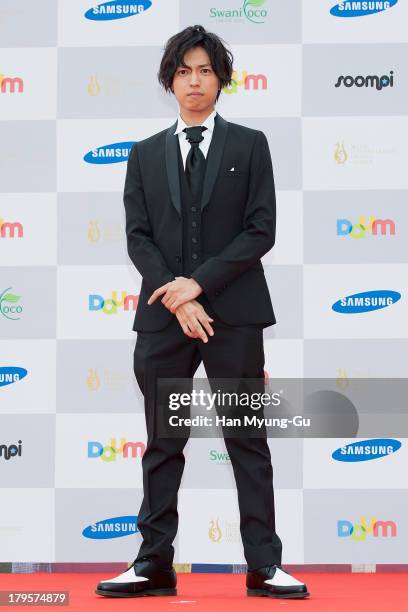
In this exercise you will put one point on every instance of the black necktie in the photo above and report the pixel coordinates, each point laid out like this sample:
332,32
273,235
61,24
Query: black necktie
195,162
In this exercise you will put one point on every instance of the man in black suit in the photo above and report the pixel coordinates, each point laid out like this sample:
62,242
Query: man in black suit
200,213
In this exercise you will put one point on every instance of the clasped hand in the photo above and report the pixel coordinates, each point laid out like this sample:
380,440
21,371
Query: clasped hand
176,292
179,298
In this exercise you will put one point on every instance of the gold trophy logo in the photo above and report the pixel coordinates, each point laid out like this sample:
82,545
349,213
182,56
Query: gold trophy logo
340,153
214,532
93,381
93,86
94,233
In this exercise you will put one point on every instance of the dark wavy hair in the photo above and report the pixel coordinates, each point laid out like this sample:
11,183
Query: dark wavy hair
221,58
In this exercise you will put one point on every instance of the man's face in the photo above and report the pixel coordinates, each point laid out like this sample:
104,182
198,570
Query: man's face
195,87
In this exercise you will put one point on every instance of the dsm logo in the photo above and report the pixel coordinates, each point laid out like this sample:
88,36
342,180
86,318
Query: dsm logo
11,374
117,9
359,9
116,527
367,450
366,301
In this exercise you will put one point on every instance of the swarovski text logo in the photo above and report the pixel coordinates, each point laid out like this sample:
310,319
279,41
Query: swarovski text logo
219,456
251,9
379,82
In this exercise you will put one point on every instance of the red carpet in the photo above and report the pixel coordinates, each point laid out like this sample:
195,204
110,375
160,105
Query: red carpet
223,592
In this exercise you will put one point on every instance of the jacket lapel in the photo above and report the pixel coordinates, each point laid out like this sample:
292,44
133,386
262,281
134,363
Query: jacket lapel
172,167
214,156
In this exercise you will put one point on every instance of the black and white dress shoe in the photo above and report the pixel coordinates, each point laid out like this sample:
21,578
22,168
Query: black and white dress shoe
143,577
273,581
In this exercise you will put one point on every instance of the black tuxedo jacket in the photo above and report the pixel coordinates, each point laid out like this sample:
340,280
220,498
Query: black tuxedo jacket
238,220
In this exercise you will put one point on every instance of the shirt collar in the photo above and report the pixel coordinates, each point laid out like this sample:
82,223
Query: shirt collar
208,123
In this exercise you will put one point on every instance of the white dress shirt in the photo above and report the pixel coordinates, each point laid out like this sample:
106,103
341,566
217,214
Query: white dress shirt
207,135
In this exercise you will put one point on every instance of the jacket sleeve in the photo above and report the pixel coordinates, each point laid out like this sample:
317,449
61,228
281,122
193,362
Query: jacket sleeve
259,225
143,252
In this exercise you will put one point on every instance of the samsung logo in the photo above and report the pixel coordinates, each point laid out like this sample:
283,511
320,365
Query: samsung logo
358,9
117,9
367,450
366,301
109,154
116,527
10,375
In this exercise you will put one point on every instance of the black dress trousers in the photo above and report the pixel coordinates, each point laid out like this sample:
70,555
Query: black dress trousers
233,352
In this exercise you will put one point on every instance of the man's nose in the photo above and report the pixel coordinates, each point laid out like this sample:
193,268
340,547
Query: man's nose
194,79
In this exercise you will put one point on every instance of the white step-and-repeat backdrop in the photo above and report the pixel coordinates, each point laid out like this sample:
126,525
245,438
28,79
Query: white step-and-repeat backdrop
328,84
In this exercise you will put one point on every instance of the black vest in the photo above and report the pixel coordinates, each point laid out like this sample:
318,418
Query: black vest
191,232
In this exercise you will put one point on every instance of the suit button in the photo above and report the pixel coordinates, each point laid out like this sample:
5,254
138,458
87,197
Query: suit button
217,292
193,224
178,258
194,240
193,209
194,256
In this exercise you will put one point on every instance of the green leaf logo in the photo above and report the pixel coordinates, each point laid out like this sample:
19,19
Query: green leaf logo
253,11
255,2
11,298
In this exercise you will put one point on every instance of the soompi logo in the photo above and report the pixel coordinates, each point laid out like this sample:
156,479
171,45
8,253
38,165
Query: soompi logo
373,81
110,306
117,9
359,531
109,452
13,450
